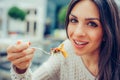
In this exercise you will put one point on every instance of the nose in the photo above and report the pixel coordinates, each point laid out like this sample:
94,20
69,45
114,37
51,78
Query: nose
80,30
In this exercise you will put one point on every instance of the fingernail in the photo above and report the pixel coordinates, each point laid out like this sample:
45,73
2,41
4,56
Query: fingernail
29,43
19,42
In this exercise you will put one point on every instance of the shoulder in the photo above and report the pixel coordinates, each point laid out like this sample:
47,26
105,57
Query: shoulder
68,46
67,41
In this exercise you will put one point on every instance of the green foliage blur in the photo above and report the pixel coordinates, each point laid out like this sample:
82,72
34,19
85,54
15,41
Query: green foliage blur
17,13
62,14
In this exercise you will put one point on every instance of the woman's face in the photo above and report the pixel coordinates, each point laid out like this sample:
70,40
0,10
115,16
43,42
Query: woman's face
84,28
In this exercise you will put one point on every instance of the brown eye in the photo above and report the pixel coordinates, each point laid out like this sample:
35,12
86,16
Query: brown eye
93,24
73,20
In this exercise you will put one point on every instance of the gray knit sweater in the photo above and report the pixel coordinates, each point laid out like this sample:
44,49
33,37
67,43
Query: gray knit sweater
58,68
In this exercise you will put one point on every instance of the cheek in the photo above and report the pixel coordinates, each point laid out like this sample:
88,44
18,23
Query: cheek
98,36
69,31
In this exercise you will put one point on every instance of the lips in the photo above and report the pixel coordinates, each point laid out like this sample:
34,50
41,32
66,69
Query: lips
80,44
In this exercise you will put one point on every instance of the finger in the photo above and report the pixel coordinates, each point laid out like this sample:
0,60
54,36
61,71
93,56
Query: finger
28,51
24,53
23,59
23,65
19,42
14,56
18,48
12,46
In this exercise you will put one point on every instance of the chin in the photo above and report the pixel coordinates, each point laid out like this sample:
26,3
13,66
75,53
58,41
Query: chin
79,53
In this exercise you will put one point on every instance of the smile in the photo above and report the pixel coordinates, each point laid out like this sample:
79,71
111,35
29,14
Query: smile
80,44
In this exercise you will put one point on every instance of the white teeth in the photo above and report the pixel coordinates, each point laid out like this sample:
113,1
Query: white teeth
80,43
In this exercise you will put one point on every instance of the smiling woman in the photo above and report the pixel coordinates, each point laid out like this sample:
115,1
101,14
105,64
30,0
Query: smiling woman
93,46
84,29
100,36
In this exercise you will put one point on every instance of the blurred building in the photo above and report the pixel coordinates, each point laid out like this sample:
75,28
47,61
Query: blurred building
32,26
40,13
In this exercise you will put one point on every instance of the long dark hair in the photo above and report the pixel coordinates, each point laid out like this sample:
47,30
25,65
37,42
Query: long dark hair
109,57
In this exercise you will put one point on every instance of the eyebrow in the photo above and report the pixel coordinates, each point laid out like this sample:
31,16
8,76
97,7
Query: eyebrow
92,19
73,15
86,18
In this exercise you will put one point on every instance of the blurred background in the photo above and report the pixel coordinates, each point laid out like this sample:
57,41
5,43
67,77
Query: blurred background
39,21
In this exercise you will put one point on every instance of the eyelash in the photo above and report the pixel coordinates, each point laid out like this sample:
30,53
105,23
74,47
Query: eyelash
72,20
90,23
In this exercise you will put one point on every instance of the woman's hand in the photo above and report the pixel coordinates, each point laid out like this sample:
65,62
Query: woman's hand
20,55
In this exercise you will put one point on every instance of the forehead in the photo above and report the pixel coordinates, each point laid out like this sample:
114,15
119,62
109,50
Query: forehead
85,8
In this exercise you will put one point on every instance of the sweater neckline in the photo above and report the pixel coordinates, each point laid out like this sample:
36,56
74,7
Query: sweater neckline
78,59
86,70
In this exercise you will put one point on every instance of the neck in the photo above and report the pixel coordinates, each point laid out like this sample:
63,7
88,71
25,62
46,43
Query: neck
91,63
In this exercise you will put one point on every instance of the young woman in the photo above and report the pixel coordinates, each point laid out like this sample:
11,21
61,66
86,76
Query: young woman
93,46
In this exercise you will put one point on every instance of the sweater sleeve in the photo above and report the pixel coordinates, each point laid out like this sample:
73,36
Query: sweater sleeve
24,76
50,70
